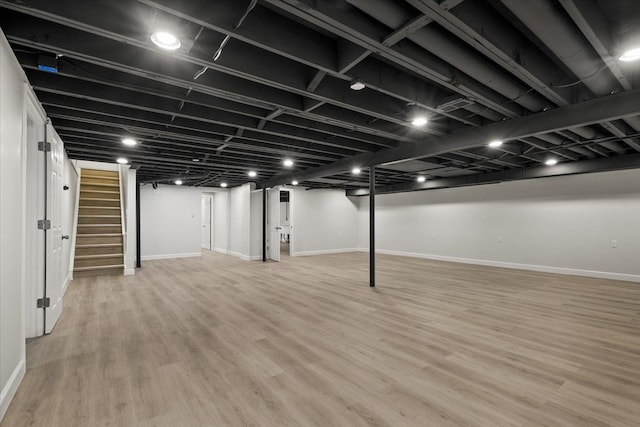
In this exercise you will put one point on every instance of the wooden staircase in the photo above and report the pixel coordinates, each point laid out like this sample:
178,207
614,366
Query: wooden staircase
99,245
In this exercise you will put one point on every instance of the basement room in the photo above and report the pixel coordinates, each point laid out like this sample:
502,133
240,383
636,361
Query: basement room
320,213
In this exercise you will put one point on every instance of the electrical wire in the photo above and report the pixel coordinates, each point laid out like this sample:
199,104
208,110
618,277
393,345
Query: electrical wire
582,80
218,52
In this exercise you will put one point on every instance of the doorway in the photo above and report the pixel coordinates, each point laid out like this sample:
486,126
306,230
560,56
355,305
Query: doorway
207,222
285,223
280,240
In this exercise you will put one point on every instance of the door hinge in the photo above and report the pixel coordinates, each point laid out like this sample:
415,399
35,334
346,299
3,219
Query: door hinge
44,146
43,302
44,224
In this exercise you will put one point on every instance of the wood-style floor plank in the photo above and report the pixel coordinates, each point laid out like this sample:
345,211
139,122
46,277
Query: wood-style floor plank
216,341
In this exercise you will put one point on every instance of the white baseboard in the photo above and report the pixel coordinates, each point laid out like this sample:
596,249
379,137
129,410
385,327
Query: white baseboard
325,252
239,255
68,280
222,251
129,271
169,256
256,258
9,390
515,266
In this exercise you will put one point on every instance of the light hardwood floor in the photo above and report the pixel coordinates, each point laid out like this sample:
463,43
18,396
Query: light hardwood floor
216,341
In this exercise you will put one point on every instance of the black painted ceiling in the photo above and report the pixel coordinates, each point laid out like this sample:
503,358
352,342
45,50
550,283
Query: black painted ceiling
280,86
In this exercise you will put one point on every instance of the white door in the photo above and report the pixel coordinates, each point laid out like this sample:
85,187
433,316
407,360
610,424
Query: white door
206,222
273,224
55,273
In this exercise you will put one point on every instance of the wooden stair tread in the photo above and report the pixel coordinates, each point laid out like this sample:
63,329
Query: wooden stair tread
99,267
98,256
99,245
100,207
99,184
100,249
108,177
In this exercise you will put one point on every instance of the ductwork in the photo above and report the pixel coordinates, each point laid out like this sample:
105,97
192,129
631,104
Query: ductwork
568,45
454,53
467,61
565,42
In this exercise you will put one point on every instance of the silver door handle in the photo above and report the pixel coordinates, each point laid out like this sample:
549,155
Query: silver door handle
278,228
65,237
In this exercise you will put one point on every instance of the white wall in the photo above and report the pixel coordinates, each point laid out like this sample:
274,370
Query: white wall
240,221
130,199
221,221
19,207
323,221
256,225
561,224
70,179
170,222
12,125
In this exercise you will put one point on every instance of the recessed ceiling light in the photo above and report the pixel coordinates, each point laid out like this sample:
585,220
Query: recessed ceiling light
294,182
252,174
419,121
355,171
357,84
421,178
495,143
122,161
631,55
223,184
165,40
177,182
129,141
550,162
287,163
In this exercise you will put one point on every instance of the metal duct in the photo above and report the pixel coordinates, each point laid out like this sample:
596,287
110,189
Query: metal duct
569,46
446,48
565,42
467,61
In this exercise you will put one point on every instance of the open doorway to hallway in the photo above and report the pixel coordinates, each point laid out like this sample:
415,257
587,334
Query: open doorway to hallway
286,229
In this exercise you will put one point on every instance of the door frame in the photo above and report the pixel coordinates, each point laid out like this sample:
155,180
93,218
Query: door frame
291,218
33,207
273,215
210,197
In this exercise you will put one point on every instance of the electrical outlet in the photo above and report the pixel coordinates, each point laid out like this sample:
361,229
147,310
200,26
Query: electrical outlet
614,243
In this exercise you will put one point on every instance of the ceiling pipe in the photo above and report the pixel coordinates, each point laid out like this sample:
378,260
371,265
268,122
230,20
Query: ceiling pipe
568,45
565,42
454,53
465,60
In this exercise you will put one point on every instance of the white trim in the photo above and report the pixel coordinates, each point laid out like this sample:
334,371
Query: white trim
221,250
65,285
240,255
129,271
9,390
74,228
255,258
326,252
88,164
169,256
516,266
